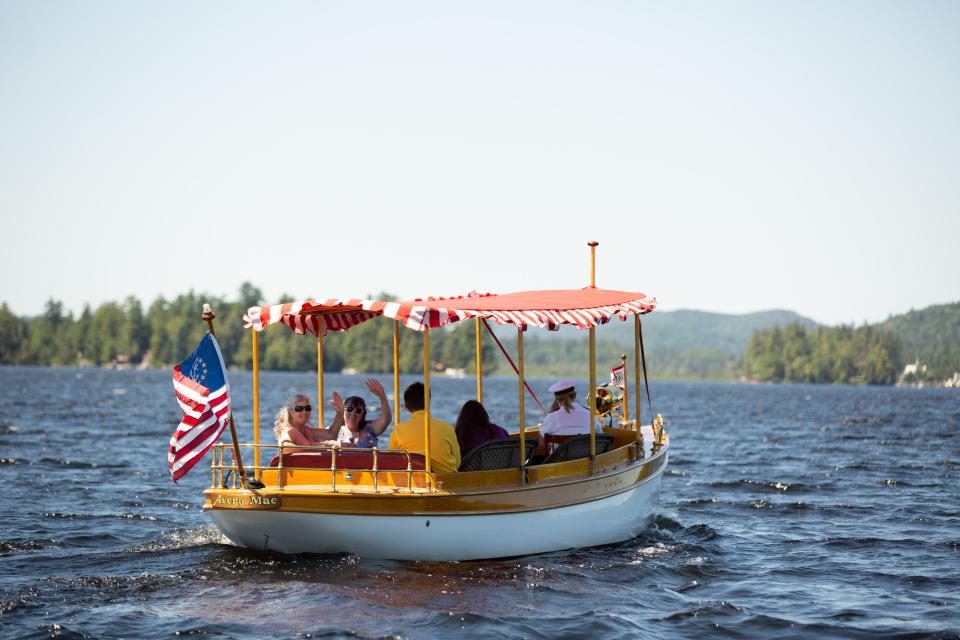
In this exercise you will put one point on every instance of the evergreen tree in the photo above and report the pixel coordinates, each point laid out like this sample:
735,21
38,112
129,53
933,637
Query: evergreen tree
840,354
12,335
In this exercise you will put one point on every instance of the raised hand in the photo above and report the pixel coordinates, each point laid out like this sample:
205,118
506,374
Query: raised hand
375,387
337,402
379,425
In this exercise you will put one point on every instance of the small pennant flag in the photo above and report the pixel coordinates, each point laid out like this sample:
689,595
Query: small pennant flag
618,375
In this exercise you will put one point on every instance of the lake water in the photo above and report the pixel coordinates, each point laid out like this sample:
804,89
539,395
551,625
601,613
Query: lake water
787,511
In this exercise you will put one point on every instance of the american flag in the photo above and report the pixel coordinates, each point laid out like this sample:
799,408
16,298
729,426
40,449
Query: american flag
200,383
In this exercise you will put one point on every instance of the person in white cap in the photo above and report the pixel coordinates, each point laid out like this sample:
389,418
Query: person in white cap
566,417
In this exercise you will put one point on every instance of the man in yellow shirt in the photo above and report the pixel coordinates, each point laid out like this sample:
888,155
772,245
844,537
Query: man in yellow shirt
444,450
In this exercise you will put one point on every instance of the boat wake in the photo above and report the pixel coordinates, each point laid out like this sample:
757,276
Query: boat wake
180,539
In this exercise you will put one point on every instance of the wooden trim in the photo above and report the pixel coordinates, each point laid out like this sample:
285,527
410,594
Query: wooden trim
548,489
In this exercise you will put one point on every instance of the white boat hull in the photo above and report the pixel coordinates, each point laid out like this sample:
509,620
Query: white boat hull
613,518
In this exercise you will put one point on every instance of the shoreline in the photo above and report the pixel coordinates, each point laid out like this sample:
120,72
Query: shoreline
539,375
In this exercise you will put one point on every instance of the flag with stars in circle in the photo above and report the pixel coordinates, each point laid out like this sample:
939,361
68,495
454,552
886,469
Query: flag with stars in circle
202,390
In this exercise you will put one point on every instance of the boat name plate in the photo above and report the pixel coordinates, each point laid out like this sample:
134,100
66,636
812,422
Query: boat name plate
245,501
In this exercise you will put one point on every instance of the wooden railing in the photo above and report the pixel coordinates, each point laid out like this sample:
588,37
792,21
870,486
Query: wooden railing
327,466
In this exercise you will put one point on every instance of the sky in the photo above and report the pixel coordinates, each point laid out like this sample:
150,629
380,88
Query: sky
727,156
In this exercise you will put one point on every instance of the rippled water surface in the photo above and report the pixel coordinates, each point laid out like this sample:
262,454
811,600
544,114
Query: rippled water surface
786,511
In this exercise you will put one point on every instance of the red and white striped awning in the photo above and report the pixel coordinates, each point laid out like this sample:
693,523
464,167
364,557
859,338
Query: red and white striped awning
314,316
583,308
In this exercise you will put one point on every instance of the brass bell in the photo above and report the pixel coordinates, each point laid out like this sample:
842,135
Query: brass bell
608,398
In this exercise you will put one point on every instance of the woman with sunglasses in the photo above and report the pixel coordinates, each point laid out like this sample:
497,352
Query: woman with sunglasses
355,429
292,424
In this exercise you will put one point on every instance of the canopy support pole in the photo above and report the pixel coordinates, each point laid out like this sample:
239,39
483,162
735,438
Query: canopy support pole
396,371
592,397
426,397
523,434
321,422
476,326
254,345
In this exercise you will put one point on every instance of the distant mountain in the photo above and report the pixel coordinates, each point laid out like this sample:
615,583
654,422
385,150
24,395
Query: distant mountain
722,332
702,345
678,344
684,329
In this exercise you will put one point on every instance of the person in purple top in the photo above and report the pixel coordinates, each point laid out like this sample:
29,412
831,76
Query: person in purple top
350,422
474,428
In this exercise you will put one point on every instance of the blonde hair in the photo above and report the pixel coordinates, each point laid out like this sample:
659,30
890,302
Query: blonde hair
282,421
566,400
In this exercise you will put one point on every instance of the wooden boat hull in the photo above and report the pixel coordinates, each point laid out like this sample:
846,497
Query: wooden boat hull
612,506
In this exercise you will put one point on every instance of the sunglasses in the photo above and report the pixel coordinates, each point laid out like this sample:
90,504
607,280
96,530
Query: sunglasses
355,409
302,407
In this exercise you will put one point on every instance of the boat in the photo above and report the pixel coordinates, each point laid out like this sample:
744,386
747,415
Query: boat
594,489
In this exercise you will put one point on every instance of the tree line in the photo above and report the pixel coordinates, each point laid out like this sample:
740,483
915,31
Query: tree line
168,331
863,355
165,332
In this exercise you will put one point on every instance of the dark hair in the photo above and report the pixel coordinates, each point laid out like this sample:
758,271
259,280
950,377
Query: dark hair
413,397
473,426
353,401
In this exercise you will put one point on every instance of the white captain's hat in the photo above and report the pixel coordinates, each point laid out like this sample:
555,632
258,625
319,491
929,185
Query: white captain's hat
563,386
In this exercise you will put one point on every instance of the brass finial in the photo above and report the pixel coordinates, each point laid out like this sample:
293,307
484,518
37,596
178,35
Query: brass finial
657,432
593,261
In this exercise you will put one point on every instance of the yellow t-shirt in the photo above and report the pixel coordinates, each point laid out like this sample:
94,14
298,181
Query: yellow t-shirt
444,450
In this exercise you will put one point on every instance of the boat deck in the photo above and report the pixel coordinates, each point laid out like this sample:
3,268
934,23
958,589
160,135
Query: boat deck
321,470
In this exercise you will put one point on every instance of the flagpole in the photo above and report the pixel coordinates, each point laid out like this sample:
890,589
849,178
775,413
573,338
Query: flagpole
209,315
